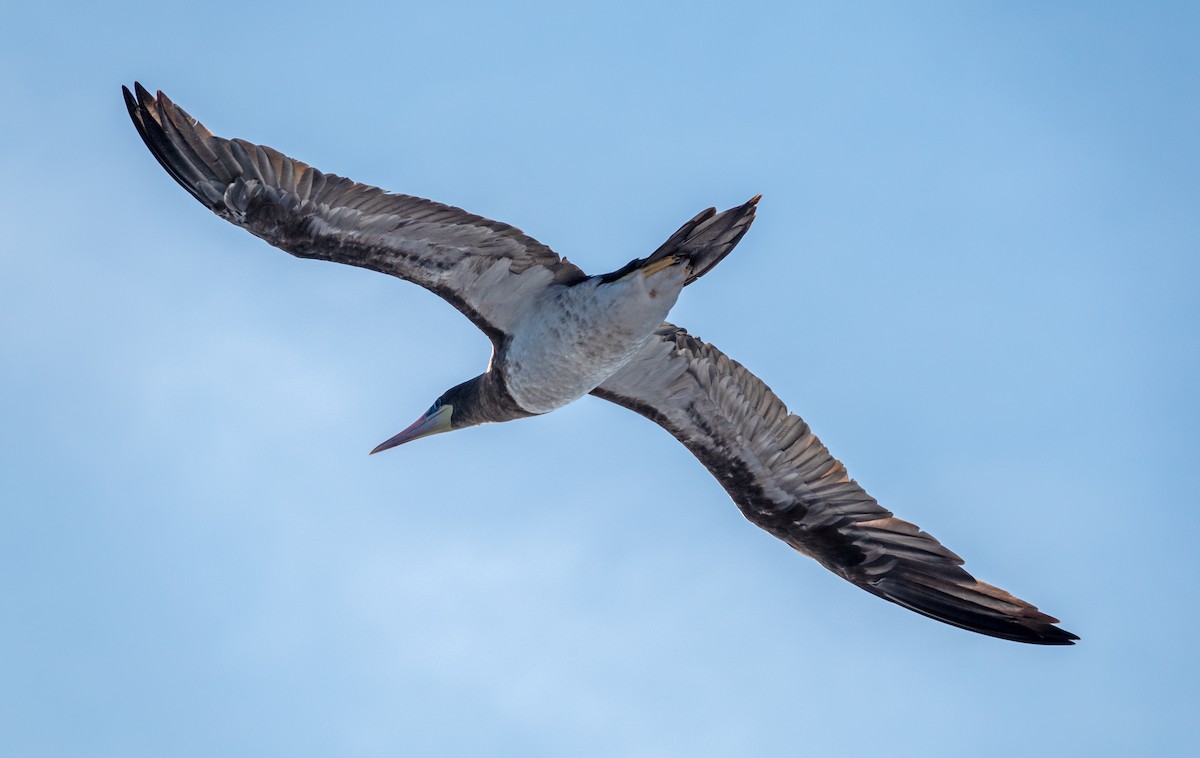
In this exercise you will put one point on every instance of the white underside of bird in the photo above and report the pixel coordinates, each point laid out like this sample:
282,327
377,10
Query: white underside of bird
573,338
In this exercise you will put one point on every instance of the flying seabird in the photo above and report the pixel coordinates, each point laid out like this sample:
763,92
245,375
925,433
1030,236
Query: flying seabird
559,334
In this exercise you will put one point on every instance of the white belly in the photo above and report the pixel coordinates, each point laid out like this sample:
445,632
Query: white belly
579,336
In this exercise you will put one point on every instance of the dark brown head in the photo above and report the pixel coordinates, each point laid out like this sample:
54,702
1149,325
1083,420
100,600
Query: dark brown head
457,408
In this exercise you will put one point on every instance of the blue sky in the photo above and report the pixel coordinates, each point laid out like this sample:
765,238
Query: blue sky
974,272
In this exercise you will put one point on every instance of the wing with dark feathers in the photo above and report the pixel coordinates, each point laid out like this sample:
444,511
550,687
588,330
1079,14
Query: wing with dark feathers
785,481
484,268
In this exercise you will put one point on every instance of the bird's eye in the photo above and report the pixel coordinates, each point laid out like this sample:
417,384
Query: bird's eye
436,404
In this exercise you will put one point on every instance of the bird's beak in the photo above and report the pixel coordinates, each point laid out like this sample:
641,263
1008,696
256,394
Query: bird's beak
431,423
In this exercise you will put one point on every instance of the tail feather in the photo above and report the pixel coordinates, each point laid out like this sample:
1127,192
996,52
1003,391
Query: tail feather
710,241
703,241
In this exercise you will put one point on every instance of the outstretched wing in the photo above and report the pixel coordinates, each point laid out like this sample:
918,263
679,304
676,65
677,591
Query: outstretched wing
785,481
484,268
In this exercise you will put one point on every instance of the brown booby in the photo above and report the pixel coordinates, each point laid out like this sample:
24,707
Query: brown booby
559,334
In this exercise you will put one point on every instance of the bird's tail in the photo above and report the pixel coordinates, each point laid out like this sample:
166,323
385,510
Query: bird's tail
703,241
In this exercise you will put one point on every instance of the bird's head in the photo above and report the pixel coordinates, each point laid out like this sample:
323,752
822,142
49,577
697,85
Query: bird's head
449,412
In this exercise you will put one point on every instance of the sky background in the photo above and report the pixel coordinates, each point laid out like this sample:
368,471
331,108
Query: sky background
974,272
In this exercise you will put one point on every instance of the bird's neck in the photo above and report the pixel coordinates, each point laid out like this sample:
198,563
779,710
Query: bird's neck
485,400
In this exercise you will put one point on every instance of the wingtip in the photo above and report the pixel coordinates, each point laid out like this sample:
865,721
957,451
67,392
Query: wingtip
1058,636
1064,639
958,599
130,102
143,95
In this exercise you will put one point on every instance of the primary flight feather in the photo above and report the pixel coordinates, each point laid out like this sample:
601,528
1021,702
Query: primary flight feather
559,334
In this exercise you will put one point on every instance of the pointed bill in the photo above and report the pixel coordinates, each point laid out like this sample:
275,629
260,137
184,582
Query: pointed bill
436,421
